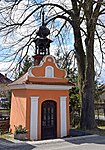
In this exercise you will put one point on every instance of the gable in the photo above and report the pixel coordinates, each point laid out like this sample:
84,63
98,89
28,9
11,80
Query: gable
47,73
48,69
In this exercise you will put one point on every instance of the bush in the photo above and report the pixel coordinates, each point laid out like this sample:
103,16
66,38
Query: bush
20,129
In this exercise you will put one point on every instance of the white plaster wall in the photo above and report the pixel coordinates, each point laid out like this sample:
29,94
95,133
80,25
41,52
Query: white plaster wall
63,119
34,118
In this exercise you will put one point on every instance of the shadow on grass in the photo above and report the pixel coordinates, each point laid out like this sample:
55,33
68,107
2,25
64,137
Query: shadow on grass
77,132
94,136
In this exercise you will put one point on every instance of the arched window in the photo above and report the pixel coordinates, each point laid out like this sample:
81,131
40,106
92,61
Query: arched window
49,72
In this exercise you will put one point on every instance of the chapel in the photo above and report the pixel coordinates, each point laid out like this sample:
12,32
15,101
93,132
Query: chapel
40,98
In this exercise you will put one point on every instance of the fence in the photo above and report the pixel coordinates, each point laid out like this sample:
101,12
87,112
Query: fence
4,122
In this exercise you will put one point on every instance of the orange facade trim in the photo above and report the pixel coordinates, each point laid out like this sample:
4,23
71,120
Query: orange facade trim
22,109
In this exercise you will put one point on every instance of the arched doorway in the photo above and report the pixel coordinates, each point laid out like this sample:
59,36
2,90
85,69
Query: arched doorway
48,120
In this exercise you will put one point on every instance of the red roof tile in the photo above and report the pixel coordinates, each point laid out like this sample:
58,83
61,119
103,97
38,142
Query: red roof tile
4,79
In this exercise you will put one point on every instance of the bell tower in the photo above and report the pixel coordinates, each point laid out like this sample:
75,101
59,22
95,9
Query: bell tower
42,43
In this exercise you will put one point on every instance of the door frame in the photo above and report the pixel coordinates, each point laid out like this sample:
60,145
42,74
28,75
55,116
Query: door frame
55,118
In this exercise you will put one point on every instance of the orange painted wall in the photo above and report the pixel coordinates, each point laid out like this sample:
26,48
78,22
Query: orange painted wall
20,111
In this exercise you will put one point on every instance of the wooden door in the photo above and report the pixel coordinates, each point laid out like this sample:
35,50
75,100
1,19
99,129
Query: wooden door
48,120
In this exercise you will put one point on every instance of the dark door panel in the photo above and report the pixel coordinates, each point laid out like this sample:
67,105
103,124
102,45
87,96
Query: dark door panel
48,120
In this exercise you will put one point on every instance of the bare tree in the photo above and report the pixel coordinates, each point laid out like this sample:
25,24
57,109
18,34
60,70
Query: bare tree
84,17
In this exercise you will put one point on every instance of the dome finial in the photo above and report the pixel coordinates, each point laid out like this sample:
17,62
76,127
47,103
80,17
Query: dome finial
43,30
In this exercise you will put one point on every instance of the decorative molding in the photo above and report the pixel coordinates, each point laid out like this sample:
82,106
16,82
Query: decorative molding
63,120
41,87
50,56
30,71
49,72
41,64
45,57
34,118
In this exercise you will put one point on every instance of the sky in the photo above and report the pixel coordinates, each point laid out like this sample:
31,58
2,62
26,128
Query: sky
30,26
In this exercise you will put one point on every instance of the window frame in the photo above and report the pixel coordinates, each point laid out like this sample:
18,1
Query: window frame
47,70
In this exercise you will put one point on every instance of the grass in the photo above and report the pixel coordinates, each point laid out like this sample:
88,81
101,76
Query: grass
4,110
6,136
100,130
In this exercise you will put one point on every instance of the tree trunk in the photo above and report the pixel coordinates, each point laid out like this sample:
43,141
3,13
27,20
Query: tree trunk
87,112
86,73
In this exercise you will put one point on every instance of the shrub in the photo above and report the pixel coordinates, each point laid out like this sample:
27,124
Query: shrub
20,129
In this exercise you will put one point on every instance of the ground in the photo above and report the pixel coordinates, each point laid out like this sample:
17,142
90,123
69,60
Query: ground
90,142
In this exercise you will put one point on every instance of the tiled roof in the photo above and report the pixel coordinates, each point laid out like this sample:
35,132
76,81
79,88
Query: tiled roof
21,80
4,79
26,79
